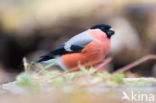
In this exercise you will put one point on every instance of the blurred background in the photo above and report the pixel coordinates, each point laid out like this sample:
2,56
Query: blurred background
30,28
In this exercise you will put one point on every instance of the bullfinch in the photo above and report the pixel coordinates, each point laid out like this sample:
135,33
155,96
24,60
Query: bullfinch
87,49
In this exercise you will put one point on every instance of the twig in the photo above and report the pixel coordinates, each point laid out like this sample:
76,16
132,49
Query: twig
26,65
98,68
102,65
134,64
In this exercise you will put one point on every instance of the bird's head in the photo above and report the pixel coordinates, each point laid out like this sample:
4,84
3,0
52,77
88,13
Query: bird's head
105,28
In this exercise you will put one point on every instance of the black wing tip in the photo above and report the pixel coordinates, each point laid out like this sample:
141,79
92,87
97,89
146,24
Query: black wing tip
44,58
40,60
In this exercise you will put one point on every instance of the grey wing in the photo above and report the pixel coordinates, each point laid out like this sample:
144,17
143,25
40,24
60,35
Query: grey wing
74,45
78,42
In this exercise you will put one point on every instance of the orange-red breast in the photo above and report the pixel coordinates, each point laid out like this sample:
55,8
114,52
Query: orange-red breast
87,48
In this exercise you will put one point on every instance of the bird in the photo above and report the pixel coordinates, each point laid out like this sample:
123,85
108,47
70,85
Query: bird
88,49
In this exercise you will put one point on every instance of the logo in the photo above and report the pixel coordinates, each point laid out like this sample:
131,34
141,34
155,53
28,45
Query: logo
137,96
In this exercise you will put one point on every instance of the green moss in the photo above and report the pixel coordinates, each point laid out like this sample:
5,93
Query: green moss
60,79
26,81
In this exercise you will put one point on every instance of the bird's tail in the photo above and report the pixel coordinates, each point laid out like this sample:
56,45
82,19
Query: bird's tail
41,61
46,59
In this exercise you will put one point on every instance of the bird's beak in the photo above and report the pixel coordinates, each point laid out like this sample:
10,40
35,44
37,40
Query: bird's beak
111,31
